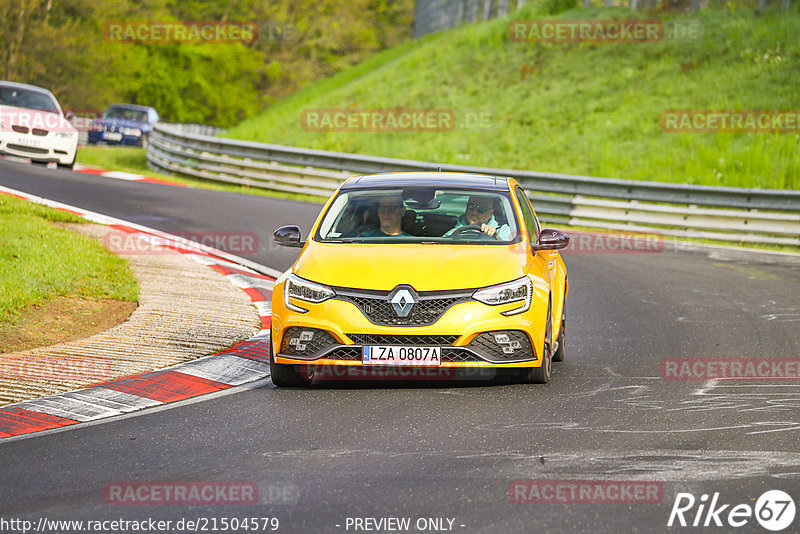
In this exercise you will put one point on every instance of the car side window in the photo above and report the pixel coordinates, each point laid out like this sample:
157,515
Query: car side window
527,214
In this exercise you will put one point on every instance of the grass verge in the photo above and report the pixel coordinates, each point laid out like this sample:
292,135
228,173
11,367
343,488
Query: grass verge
39,261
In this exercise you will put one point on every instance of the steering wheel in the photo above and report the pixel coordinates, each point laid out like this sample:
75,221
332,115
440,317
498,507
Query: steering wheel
470,229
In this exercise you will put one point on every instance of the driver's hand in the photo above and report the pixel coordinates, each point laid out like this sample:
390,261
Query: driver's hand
488,230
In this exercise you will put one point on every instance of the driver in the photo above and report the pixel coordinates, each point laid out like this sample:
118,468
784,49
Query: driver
480,212
390,214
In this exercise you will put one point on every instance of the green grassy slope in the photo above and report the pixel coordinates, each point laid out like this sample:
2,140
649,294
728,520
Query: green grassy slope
574,108
39,260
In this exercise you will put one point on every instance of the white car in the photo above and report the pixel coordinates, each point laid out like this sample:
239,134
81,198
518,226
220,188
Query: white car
32,125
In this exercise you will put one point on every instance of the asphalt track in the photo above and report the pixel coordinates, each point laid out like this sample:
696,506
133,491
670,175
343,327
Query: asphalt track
452,450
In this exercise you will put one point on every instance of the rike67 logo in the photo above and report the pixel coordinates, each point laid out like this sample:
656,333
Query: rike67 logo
774,510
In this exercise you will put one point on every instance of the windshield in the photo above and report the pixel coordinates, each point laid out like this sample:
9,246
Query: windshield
25,98
416,215
126,113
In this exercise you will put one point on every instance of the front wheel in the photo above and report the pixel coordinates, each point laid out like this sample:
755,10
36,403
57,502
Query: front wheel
67,166
558,355
284,375
541,375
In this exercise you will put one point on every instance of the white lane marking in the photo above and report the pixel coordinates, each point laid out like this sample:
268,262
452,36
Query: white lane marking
264,308
88,405
118,400
226,368
155,409
262,334
119,175
250,282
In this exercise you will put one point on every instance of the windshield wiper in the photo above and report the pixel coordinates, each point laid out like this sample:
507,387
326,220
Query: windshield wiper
346,240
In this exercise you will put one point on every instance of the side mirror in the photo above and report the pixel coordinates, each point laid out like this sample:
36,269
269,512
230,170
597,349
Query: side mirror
550,239
288,236
69,115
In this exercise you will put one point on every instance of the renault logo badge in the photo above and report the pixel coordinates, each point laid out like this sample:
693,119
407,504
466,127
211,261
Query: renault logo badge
402,299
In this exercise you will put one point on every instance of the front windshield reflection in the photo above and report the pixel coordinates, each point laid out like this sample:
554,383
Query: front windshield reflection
420,215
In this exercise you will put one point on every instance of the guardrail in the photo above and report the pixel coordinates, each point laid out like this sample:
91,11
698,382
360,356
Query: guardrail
732,214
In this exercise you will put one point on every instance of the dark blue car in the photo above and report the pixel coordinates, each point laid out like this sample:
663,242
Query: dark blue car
124,124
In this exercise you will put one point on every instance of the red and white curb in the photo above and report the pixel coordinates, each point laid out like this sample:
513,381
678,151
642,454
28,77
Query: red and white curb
245,362
119,175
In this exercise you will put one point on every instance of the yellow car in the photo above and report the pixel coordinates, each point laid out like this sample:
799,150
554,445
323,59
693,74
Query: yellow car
427,273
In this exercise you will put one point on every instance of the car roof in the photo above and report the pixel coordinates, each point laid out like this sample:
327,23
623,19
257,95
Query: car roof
26,86
130,106
423,179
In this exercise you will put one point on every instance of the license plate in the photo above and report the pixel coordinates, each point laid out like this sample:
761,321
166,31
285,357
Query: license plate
24,141
399,355
112,136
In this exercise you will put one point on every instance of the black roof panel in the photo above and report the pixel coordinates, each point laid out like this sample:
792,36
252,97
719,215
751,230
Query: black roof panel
423,179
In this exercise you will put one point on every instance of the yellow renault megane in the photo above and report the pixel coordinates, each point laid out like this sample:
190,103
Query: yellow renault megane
421,271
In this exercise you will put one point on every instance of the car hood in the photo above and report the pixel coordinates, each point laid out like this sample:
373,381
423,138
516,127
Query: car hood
424,267
33,118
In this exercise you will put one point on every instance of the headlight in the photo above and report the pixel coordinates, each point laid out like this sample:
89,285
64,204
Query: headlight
132,131
519,290
297,288
64,134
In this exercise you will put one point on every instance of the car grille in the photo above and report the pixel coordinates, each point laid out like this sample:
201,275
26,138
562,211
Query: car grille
460,355
38,131
503,346
376,307
454,354
28,149
313,343
19,129
449,353
350,352
379,339
305,342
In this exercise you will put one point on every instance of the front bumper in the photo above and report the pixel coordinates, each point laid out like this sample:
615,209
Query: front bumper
114,138
40,148
471,334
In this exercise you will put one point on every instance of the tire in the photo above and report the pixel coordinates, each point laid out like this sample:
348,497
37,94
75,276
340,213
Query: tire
541,374
558,355
284,375
67,166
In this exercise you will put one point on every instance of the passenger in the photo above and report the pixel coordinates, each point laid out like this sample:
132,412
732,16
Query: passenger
390,214
480,212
